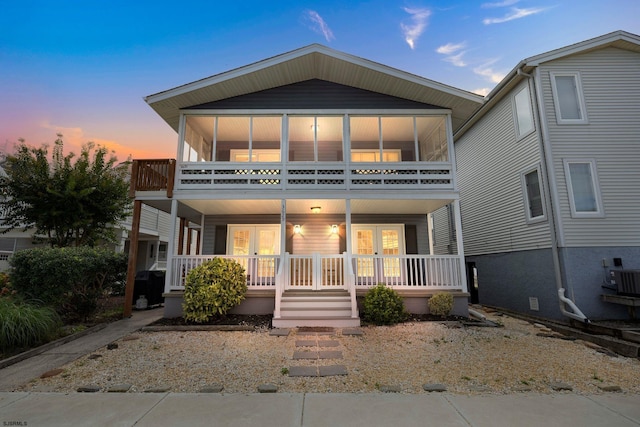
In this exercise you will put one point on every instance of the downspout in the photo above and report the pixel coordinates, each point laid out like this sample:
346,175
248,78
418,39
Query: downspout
545,152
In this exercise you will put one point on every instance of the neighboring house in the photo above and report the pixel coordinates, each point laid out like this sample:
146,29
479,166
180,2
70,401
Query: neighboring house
549,176
316,170
152,241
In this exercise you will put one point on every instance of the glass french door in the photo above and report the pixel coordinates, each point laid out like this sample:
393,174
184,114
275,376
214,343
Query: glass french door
377,249
249,243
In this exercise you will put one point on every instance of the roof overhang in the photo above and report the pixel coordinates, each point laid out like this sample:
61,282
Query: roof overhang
314,62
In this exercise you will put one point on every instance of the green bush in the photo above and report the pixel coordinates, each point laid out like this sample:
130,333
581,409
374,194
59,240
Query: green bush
383,306
440,304
213,288
68,279
25,325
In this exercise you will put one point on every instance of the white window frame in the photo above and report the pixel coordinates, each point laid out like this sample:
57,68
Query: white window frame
521,133
527,203
599,212
556,101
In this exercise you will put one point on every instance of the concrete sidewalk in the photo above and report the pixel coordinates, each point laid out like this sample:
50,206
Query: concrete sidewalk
22,372
284,409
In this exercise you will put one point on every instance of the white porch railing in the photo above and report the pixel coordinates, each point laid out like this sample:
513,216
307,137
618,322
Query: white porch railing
318,272
261,270
324,175
437,272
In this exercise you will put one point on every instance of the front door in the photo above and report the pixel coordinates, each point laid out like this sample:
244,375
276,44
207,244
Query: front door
251,241
377,249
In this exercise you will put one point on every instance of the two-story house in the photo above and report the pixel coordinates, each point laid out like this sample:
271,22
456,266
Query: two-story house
549,176
316,170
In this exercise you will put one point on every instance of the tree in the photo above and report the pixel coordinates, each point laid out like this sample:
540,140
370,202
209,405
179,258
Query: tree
71,203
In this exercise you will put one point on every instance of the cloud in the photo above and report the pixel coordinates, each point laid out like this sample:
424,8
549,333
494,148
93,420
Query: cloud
418,24
499,4
450,49
319,25
514,13
483,91
489,73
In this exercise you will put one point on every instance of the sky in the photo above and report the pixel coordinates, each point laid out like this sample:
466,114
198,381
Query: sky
82,68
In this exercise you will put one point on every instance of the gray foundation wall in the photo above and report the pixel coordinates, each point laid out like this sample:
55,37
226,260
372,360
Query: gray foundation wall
509,280
585,276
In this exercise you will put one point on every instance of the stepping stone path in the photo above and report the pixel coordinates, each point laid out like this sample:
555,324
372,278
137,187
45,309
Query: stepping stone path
319,345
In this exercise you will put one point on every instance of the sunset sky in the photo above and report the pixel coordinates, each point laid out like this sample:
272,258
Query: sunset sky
82,68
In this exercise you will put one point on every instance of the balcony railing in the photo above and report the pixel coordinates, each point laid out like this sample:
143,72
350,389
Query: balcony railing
153,175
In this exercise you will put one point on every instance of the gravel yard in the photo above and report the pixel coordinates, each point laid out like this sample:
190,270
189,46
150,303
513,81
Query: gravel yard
467,360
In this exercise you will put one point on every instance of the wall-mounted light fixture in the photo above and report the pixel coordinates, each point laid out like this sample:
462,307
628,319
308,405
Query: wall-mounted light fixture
334,229
315,209
297,229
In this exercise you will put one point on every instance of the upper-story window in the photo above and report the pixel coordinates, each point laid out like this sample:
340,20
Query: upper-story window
583,188
398,138
316,139
568,99
522,112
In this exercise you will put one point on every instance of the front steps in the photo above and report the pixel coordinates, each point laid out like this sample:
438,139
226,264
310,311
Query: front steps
315,308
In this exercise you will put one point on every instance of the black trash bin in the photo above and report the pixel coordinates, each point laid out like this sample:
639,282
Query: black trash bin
149,283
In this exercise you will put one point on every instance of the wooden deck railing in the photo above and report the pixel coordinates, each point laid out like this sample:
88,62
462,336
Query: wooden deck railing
153,175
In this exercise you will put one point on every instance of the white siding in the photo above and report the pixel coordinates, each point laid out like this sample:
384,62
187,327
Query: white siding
611,88
490,161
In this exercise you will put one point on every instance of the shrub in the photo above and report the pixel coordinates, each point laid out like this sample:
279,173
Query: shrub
213,288
440,304
68,279
383,306
24,324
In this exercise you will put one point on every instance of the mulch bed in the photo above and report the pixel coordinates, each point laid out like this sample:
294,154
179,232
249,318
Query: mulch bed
258,321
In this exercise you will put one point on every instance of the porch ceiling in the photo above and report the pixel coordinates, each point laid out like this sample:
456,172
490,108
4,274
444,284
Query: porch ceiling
303,206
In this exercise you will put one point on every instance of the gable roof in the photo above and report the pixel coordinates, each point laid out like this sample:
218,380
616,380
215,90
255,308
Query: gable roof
314,62
618,39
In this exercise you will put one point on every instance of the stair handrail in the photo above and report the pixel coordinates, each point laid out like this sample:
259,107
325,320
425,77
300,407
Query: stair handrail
351,285
280,279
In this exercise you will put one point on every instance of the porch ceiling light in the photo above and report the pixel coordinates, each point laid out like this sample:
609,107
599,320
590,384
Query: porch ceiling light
297,228
315,209
334,229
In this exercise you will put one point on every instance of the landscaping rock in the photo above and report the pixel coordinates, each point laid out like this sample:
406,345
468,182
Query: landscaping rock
88,389
52,373
94,356
434,387
119,388
390,388
211,388
610,388
560,386
112,346
160,389
267,388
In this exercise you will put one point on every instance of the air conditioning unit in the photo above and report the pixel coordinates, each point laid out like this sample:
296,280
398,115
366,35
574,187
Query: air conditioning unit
628,282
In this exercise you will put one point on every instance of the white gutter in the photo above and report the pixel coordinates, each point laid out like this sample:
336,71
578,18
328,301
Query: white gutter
545,154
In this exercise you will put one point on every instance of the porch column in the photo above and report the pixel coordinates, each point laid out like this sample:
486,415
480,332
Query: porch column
460,246
133,259
171,245
189,238
347,211
181,236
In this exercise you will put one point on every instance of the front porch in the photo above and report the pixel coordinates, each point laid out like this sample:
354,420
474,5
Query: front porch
323,290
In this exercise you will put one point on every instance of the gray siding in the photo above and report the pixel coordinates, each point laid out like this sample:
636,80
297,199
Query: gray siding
444,242
490,161
611,88
314,94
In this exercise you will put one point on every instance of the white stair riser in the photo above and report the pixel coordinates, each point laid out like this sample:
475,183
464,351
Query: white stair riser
335,323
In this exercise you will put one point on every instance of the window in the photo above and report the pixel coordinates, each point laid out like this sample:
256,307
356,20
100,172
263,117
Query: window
534,203
567,97
582,185
374,155
522,112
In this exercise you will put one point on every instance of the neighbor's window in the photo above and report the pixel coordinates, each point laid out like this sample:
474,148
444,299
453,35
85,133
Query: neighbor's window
582,185
523,113
533,195
567,97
